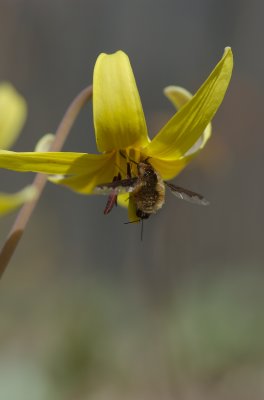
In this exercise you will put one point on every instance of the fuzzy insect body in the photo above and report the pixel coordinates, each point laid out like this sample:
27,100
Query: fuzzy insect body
147,190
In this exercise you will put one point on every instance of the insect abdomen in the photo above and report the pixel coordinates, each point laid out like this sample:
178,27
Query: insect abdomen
149,198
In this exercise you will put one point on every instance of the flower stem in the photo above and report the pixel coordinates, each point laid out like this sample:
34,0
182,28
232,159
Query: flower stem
40,180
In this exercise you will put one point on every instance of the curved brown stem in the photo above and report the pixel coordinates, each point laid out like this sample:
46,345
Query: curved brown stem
40,180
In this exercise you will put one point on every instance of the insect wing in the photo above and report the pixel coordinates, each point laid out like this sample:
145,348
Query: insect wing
116,187
188,195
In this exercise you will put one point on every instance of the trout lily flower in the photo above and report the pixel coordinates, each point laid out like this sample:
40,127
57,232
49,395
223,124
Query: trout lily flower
13,112
121,131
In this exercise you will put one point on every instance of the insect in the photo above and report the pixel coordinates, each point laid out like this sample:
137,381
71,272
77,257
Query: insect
147,190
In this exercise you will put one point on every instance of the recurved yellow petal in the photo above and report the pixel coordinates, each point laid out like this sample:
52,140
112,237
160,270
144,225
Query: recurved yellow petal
179,97
118,115
187,125
9,202
53,162
13,110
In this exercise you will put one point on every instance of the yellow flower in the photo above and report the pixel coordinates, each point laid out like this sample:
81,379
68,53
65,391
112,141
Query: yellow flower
120,126
13,112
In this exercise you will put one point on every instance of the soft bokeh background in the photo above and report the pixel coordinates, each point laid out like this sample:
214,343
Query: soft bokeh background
87,310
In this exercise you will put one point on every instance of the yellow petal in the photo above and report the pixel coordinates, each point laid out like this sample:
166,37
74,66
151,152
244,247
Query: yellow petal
187,125
201,142
118,115
179,97
53,162
123,200
100,172
9,202
13,110
168,169
132,211
44,143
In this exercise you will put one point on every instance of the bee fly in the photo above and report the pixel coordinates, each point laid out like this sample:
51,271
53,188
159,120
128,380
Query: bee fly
147,190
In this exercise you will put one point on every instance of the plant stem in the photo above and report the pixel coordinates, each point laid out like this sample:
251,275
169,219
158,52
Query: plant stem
40,180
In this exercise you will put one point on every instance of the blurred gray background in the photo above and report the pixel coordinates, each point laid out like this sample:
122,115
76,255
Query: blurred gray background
73,262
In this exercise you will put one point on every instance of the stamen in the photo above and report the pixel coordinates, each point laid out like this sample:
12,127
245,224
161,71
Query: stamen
126,157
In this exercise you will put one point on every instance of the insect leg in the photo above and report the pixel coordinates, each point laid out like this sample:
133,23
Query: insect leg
112,198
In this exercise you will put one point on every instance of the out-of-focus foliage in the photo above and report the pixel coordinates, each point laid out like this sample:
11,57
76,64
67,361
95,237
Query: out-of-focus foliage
89,341
13,111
